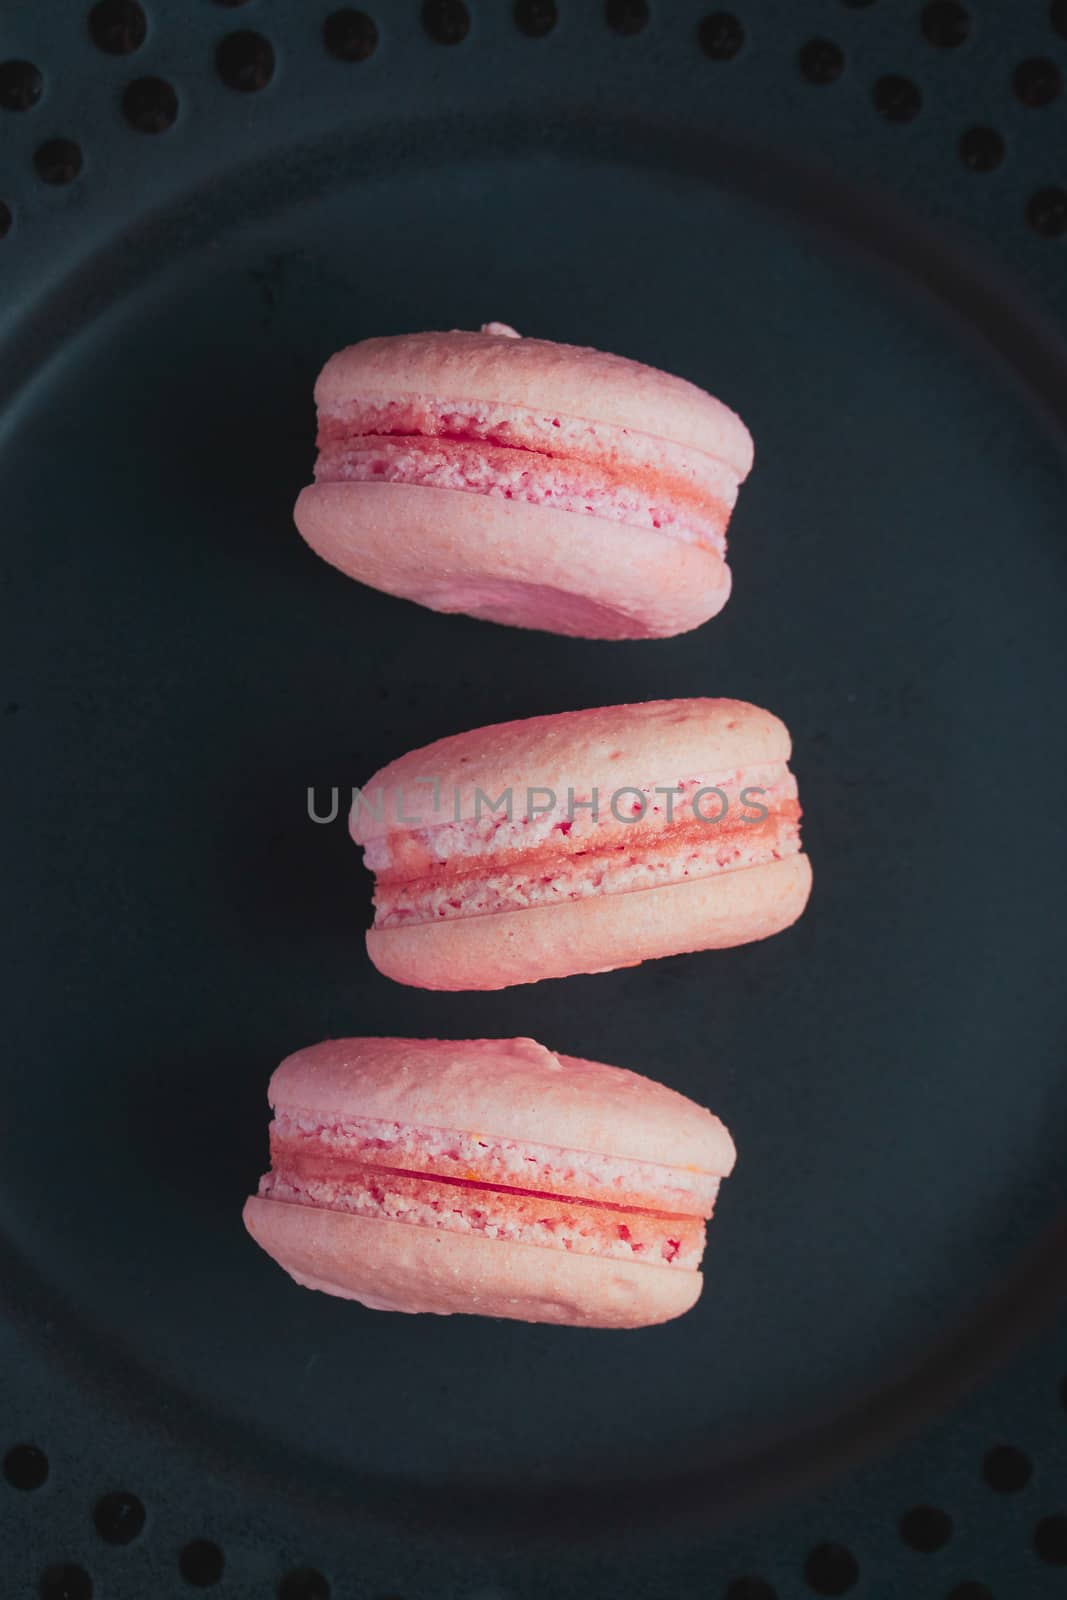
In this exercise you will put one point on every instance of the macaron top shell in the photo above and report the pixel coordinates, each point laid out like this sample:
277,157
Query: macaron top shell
601,748
539,376
505,1089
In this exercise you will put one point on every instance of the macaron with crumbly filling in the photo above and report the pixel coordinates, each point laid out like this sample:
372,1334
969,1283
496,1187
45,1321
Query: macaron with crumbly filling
487,1176
581,842
526,482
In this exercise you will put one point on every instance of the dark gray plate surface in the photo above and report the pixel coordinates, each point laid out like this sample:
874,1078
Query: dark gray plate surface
179,669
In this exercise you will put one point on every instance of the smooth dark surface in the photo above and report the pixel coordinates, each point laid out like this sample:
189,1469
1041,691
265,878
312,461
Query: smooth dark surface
180,668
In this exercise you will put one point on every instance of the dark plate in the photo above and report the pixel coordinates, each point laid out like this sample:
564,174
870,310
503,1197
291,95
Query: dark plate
180,670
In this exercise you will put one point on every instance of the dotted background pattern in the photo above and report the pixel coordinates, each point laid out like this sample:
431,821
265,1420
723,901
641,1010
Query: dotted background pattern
955,113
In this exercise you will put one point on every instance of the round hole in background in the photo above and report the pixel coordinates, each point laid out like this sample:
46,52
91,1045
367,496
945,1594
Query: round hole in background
64,1580
981,149
1046,212
150,105
57,161
1037,81
20,85
1006,1469
119,1517
925,1528
1050,1540
25,1466
117,27
897,98
626,16
245,61
821,61
350,35
751,1589
721,35
946,23
304,1584
447,21
6,219
201,1562
831,1569
970,1590
535,18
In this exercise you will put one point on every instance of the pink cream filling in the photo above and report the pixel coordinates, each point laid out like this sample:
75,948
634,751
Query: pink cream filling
625,1210
592,469
486,1158
490,864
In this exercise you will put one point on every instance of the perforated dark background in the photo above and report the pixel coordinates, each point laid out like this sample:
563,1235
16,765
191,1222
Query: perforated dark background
115,121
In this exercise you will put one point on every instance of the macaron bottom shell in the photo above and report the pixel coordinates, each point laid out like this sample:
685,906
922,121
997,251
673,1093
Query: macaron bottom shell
598,934
527,566
398,1266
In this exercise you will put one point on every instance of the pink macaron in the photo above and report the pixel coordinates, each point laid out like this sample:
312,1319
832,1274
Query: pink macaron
525,482
581,842
487,1176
